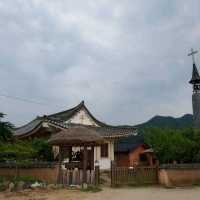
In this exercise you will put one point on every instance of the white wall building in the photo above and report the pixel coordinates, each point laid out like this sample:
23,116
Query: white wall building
79,116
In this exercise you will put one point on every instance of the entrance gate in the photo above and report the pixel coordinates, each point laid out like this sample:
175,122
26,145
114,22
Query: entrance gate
133,176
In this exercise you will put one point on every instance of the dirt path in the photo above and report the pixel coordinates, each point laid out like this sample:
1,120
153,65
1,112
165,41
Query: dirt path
62,194
145,193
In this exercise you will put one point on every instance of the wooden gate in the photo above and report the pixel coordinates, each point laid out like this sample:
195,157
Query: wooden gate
133,176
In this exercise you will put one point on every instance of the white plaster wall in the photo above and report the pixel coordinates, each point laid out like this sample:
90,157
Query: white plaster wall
104,163
82,117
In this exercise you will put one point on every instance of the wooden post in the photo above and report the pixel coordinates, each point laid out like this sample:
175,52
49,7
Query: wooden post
97,174
113,173
85,159
59,180
92,158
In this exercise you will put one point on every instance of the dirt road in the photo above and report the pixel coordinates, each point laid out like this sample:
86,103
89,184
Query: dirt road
145,193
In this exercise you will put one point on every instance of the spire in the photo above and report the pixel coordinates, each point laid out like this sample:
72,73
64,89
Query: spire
195,75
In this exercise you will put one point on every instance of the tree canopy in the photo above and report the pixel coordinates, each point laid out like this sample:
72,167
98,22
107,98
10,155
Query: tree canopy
180,145
5,129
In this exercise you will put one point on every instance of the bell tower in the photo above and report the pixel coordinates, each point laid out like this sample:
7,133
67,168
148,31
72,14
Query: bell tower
195,81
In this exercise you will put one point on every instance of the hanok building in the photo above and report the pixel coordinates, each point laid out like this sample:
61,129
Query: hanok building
79,116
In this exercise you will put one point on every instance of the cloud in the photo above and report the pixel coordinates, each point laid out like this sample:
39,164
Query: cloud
127,59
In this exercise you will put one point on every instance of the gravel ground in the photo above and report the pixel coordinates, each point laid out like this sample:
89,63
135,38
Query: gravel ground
143,193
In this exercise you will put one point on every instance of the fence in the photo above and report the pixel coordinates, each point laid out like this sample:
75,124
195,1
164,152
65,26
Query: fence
75,176
133,176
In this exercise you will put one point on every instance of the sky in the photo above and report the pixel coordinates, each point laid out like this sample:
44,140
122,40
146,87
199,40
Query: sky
126,59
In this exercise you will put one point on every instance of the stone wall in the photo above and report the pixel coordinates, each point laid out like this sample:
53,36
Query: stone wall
179,175
47,174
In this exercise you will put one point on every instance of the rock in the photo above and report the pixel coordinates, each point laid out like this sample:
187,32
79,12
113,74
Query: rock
2,187
52,186
85,186
6,184
59,186
27,185
20,186
36,184
11,187
78,187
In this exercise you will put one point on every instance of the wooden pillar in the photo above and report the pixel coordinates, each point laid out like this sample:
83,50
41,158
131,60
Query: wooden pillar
113,169
70,153
92,158
97,175
60,162
85,160
151,159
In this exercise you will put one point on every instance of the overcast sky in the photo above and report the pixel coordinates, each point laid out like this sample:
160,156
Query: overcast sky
127,59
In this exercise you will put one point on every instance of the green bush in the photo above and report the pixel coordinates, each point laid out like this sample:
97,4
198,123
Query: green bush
180,145
2,187
2,179
5,129
26,179
16,179
44,150
25,151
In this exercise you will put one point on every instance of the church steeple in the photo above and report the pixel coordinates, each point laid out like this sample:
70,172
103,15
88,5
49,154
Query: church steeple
195,81
195,75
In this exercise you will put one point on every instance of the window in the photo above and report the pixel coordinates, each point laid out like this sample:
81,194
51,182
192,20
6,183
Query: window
143,158
104,150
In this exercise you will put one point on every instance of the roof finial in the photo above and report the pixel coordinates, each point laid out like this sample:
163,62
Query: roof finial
192,54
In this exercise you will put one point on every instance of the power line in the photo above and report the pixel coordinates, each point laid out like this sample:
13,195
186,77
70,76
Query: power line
23,99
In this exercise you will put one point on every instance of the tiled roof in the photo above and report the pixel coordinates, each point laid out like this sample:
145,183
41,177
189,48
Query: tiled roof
129,144
58,120
28,127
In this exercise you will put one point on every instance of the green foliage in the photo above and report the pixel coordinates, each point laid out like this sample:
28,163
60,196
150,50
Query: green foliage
26,179
2,179
180,145
19,150
5,129
44,150
23,152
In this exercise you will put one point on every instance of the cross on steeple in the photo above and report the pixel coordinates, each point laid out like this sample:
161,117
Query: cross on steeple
192,54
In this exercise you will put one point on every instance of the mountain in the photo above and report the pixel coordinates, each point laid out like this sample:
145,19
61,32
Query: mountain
157,121
168,122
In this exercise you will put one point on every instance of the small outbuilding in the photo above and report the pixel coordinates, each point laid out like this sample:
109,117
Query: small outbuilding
133,151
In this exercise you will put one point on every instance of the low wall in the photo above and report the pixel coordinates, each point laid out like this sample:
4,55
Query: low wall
179,175
48,174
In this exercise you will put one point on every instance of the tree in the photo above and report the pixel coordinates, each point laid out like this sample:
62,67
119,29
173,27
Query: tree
180,145
44,150
5,129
